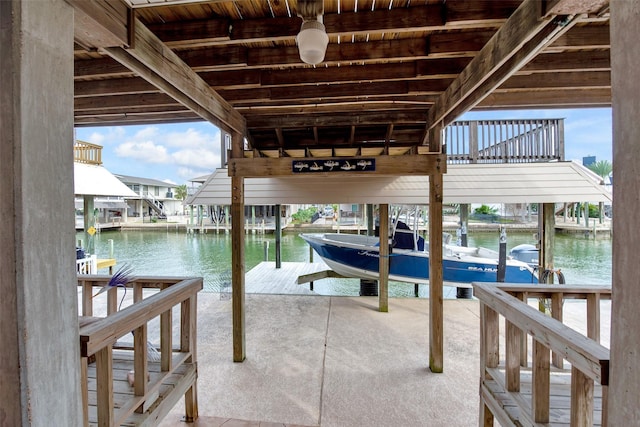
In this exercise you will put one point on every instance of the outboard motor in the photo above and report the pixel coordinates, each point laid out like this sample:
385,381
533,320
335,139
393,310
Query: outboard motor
526,253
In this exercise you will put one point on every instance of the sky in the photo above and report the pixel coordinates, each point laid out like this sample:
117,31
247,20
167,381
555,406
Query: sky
176,153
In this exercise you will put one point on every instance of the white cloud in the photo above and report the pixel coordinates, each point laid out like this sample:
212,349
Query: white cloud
190,173
198,158
192,138
146,151
108,136
149,132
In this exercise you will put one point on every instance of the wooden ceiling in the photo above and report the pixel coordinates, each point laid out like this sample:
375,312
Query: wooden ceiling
393,69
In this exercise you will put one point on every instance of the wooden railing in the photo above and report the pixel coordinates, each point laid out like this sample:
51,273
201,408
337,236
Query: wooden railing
505,141
85,152
149,390
515,395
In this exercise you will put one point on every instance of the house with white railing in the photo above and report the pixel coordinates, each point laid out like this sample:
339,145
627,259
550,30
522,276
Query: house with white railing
154,198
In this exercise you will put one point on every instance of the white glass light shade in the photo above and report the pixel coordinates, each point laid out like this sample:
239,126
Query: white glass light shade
312,42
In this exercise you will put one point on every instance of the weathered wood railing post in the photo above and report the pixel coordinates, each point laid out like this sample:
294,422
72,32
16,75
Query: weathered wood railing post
489,354
589,360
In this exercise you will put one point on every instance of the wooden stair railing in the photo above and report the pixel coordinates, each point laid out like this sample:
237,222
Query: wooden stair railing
154,391
500,373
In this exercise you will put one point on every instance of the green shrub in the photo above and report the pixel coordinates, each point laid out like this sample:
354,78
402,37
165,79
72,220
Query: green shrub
304,215
485,210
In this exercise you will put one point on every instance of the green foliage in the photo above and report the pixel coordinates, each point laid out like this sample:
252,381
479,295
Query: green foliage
602,168
485,210
594,211
304,216
181,192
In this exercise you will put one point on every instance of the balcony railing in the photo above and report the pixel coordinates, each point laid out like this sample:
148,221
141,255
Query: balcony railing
505,141
85,152
137,383
551,392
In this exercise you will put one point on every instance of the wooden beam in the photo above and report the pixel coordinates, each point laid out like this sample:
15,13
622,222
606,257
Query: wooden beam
507,43
431,17
123,102
560,81
580,98
422,164
574,7
121,86
99,24
160,66
570,61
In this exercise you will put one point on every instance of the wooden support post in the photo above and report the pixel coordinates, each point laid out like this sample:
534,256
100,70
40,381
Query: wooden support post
491,337
104,386
541,383
166,340
189,316
112,300
502,255
278,237
489,343
436,323
89,221
513,341
546,227
593,317
524,340
237,254
383,282
140,367
556,313
464,223
370,226
582,388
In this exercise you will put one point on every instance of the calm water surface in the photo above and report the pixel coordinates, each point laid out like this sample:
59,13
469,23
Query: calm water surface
582,260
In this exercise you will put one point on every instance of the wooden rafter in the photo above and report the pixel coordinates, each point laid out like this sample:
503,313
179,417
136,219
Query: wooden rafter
160,66
524,34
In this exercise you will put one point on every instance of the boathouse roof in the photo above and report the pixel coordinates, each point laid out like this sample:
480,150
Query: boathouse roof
550,182
94,180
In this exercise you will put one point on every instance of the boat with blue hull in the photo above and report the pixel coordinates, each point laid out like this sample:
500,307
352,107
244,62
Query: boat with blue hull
353,255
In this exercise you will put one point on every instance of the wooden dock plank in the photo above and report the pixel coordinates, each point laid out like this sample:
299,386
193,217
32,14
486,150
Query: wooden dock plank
265,278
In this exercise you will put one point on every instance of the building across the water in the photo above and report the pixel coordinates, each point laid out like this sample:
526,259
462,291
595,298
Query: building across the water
154,198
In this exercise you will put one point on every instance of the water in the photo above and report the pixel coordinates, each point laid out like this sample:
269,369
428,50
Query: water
582,260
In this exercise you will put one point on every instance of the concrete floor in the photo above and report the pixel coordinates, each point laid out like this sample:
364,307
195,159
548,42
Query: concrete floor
335,361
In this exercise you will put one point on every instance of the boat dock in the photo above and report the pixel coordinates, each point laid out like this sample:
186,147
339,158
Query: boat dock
297,278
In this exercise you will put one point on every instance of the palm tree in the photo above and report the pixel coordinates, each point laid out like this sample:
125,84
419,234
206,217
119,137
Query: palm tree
181,192
603,168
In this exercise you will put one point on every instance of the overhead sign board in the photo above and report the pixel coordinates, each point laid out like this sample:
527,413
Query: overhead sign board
333,165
